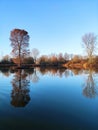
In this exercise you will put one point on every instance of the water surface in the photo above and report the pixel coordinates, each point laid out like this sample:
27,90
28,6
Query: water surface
49,99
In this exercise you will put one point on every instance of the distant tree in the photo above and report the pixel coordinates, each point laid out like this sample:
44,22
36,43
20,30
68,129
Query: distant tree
76,58
28,60
71,56
61,58
35,53
89,43
53,59
6,60
43,60
95,60
19,42
6,57
66,56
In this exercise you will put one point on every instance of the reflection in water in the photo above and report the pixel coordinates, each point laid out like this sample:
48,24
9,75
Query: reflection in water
52,107
5,72
54,71
90,88
20,93
66,73
77,71
35,77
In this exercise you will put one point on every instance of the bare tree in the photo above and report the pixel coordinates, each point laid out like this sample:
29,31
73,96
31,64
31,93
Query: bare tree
66,56
90,43
35,53
19,42
61,58
6,57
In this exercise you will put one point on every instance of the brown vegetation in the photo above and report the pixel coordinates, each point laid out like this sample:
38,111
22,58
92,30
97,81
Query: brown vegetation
20,42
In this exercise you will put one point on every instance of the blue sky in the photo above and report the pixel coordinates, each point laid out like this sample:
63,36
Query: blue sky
54,26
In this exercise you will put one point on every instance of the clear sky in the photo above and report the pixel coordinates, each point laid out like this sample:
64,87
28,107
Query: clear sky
54,26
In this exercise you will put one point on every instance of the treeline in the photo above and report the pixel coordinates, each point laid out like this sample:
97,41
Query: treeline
21,55
14,61
58,60
53,59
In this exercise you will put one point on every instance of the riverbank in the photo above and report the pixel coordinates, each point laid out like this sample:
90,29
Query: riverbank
68,65
81,65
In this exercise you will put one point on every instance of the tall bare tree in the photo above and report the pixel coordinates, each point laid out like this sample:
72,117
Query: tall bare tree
35,53
19,42
90,44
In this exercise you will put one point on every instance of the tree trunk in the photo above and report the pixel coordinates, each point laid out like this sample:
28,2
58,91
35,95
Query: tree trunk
19,57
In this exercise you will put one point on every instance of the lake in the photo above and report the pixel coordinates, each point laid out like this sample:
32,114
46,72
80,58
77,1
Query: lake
48,99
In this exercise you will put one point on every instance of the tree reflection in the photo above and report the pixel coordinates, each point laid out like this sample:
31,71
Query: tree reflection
77,71
5,72
54,71
35,77
66,73
90,88
20,93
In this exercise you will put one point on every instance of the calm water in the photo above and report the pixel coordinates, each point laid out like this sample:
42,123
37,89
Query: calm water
48,99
